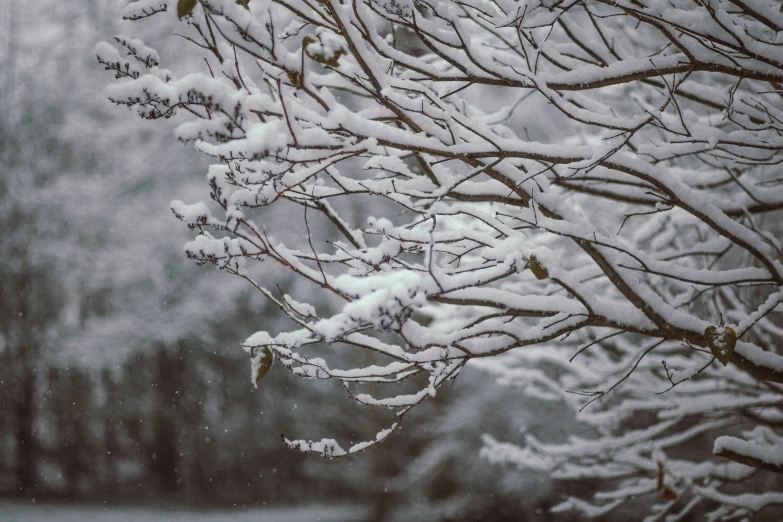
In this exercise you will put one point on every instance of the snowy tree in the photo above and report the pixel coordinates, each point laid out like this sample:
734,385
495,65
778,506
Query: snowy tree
580,195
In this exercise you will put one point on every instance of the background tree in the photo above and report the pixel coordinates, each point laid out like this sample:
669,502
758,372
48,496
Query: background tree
546,180
98,342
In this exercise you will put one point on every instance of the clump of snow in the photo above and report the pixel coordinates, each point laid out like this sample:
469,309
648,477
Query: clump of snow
768,453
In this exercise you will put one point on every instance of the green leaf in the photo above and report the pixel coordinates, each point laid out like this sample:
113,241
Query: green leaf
260,363
537,268
721,342
244,3
185,7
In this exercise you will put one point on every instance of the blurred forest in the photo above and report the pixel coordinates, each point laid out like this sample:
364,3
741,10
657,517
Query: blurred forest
121,372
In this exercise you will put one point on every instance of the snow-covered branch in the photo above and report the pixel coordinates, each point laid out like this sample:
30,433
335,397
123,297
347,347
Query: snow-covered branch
513,184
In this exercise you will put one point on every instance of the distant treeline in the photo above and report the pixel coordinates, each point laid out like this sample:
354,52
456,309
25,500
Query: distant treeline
182,424
176,422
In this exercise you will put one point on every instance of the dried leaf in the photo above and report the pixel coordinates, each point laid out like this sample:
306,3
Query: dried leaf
664,491
295,77
537,268
721,342
185,7
667,493
323,59
261,363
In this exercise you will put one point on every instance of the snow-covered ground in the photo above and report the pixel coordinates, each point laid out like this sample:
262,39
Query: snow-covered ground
39,512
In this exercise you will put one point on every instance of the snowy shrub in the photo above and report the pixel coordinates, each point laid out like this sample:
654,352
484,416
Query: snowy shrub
582,196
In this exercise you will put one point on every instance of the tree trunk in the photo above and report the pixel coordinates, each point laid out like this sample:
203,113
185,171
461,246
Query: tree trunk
25,441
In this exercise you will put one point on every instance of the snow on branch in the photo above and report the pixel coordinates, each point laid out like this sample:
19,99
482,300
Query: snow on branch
768,457
582,197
